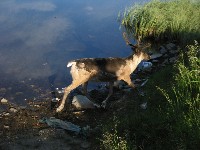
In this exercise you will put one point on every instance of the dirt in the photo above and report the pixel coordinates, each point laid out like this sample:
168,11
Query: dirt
20,126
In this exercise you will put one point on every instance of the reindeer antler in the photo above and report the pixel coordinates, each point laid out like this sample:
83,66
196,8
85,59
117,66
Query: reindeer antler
126,39
133,47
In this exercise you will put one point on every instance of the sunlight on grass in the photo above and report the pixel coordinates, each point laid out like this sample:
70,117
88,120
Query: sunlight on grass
164,20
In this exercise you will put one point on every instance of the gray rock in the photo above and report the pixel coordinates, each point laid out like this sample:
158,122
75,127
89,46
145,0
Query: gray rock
173,59
163,50
82,102
174,51
154,56
171,46
165,62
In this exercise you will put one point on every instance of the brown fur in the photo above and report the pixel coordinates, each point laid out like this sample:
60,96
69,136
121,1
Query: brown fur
102,70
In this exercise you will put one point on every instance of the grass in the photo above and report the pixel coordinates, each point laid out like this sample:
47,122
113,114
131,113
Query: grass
164,20
171,120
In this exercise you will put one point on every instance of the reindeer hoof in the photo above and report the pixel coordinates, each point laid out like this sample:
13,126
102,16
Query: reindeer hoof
60,108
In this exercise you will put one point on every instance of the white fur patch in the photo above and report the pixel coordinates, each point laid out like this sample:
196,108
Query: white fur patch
71,63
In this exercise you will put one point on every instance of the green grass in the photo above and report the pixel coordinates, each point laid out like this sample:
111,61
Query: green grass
171,120
164,20
184,98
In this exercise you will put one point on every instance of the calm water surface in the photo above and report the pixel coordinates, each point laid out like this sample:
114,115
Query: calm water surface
38,38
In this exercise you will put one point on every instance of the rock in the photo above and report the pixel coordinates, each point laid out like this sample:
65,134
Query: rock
3,90
138,80
166,55
171,46
85,145
144,82
173,59
6,114
13,110
119,84
174,51
155,61
82,102
143,105
4,101
154,56
165,62
163,50
6,127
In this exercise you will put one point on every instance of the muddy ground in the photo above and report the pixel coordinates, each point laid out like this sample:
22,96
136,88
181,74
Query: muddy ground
20,126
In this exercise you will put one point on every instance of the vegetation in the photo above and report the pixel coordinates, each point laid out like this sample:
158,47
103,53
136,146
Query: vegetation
171,120
164,20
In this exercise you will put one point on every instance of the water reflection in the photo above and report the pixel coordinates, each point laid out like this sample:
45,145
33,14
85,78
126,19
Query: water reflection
37,38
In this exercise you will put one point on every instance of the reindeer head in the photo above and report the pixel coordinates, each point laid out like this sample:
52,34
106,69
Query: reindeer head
138,49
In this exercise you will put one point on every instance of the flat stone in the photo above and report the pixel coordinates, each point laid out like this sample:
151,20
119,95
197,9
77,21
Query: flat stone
82,102
154,56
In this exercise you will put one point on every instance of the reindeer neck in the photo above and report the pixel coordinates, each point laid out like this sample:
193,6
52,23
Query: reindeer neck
133,61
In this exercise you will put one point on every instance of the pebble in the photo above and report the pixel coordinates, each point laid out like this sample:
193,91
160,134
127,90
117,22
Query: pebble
6,114
6,127
13,110
4,101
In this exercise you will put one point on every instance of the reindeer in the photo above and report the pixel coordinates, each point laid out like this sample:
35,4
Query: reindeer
103,70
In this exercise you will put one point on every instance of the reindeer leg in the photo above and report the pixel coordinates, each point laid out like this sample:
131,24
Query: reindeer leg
84,90
104,103
67,90
129,82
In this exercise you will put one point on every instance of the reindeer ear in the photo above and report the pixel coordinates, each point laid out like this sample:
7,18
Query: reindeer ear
134,47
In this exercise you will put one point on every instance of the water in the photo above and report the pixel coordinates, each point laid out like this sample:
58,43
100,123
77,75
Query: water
38,38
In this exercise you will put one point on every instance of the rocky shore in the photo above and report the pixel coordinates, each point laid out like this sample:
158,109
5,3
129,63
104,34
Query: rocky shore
21,128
